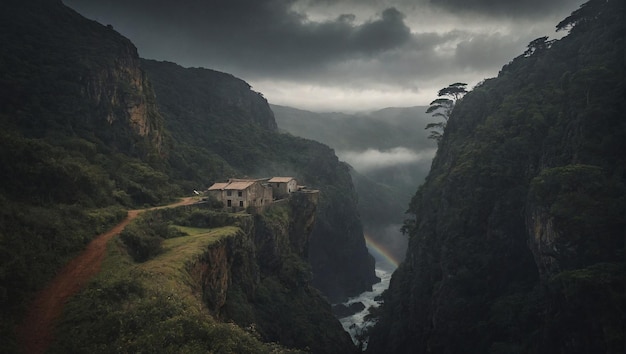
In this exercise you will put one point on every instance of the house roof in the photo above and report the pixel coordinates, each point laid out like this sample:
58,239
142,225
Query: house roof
218,186
239,185
280,179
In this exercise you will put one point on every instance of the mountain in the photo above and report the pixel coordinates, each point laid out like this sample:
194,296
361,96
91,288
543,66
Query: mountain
90,130
517,236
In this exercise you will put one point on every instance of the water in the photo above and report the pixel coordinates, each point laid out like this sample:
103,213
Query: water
356,323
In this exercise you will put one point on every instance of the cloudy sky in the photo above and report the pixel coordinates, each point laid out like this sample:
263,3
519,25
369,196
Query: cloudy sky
344,55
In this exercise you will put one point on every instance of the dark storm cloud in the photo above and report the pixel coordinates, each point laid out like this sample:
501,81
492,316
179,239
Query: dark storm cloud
512,8
253,35
487,51
339,54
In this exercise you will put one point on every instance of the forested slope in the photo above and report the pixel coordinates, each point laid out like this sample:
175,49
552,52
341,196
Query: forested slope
517,236
81,140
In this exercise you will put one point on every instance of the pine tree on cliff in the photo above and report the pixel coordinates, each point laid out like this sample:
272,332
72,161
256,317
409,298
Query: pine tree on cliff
442,107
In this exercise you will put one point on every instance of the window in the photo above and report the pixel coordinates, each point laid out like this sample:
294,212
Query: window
229,193
240,193
229,203
241,203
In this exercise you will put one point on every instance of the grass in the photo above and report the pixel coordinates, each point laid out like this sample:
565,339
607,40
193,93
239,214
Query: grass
168,271
152,306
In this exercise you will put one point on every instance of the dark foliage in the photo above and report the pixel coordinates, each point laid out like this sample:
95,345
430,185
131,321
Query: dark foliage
82,140
517,240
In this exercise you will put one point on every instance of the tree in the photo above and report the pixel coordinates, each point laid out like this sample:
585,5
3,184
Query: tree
585,14
442,107
538,45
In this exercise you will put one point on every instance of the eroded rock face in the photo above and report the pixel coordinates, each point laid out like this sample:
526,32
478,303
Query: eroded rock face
542,242
230,260
123,95
258,278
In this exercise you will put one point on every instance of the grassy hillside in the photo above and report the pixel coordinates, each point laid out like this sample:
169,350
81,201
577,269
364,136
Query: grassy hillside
152,306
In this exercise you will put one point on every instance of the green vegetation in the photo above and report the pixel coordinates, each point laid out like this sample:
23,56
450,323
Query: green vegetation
517,236
283,307
442,107
84,138
144,237
151,307
68,172
180,299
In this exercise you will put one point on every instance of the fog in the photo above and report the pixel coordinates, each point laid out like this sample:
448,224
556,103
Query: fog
390,154
373,159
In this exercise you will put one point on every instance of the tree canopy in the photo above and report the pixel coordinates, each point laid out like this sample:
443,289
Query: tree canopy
442,107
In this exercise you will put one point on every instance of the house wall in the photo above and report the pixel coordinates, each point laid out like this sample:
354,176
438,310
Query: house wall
218,194
256,195
282,189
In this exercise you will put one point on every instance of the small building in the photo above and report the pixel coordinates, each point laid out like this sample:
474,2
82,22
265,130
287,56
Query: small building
283,186
242,193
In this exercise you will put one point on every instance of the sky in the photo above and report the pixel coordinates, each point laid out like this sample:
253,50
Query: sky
336,55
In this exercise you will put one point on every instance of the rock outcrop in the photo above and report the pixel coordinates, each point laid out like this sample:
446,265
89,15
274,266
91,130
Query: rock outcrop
258,278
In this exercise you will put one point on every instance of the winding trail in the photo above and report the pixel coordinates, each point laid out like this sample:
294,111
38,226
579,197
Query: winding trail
34,334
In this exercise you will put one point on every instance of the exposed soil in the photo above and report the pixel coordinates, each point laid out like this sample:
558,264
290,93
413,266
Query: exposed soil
34,334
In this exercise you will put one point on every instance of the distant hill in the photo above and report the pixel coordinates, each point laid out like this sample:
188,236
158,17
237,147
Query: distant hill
382,129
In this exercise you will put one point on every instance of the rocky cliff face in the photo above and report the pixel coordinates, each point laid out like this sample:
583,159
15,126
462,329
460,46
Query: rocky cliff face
521,218
123,94
73,86
259,279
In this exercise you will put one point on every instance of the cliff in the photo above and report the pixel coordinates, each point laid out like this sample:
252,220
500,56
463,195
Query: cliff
235,268
516,241
216,139
71,86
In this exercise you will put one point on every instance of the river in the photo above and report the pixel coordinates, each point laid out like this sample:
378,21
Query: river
355,324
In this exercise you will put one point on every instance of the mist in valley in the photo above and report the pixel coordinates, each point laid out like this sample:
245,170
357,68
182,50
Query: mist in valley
389,154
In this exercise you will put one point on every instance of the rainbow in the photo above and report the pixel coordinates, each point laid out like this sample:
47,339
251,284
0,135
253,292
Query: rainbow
380,251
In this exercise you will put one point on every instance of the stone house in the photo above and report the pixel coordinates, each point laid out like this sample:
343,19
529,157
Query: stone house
242,193
283,186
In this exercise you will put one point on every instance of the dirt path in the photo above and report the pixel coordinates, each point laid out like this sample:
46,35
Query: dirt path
34,334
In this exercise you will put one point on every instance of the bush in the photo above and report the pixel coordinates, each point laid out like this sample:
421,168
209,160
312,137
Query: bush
141,246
